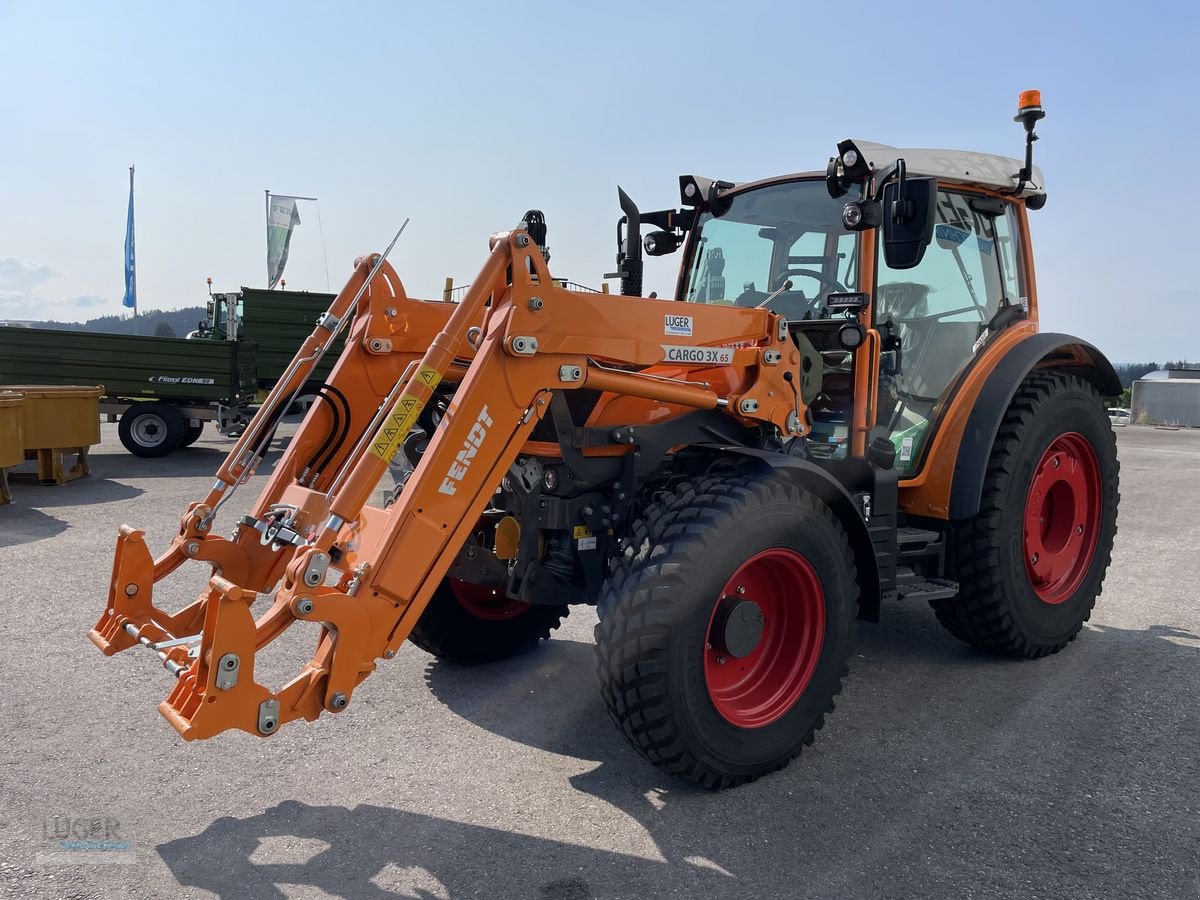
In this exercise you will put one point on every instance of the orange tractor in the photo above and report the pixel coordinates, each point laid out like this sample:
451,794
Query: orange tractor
847,403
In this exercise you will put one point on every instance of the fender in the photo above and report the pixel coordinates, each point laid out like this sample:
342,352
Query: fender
833,493
1048,350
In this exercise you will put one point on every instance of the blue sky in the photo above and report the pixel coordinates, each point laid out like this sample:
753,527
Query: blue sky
463,115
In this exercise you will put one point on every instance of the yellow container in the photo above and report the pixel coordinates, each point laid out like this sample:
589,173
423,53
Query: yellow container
57,417
12,446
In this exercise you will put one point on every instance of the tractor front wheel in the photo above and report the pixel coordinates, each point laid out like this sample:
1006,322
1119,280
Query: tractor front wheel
725,627
470,623
1031,563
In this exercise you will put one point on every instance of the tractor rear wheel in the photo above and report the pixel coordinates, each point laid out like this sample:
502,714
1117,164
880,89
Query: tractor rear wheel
469,624
725,627
1030,564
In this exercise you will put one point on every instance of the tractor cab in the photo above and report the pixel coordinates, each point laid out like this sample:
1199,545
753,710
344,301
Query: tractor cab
899,264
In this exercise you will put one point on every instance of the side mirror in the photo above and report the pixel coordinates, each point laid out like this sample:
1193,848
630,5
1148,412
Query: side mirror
908,206
660,243
208,308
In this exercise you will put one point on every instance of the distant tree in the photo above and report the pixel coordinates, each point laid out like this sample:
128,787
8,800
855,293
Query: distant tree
162,329
1128,373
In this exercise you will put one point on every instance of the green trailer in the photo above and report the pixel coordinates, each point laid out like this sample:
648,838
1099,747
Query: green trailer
278,322
162,390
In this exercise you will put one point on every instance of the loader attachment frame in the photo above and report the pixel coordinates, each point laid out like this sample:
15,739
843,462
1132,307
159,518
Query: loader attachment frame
365,574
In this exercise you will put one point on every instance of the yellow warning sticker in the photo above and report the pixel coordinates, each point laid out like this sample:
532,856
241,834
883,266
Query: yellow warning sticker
402,418
582,531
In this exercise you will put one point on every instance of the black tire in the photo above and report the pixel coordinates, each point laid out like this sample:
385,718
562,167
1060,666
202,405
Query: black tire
657,624
151,430
450,630
999,607
191,434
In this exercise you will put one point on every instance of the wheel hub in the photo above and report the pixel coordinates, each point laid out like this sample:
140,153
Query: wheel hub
764,639
1062,518
738,626
149,430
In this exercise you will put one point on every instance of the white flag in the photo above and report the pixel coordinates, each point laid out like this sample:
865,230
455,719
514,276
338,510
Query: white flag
282,218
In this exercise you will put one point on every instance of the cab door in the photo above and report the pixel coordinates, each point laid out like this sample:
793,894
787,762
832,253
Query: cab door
937,316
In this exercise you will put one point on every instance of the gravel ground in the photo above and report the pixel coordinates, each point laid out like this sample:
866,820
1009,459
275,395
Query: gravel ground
943,773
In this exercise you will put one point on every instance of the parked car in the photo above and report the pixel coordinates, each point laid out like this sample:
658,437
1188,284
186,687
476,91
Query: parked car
1118,416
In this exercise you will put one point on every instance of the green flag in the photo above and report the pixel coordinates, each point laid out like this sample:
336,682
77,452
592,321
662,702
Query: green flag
282,217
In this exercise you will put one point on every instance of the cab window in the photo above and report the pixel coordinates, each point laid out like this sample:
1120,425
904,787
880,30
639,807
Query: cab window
937,312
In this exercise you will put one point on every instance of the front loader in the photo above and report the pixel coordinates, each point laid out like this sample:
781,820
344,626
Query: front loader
847,403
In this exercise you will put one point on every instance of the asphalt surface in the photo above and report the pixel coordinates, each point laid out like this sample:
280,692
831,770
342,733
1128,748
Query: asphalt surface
943,772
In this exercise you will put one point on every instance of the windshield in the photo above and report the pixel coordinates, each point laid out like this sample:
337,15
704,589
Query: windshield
769,236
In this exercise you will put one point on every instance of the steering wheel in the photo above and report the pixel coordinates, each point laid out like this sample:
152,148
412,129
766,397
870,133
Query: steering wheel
754,298
828,280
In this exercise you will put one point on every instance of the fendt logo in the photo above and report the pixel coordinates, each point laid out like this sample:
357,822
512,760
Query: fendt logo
462,462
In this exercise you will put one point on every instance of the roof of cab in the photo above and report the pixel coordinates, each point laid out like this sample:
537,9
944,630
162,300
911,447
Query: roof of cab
960,166
964,166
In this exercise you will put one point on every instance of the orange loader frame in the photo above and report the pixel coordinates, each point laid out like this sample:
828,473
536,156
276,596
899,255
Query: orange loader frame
365,574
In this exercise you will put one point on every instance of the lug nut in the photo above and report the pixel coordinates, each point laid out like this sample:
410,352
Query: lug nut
1033,559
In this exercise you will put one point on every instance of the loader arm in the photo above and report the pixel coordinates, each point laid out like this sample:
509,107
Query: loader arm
365,574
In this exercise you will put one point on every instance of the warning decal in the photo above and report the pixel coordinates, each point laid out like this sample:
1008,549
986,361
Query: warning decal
402,418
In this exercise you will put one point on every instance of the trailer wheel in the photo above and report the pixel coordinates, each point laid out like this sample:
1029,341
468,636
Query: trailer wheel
150,430
470,624
191,434
725,627
1031,563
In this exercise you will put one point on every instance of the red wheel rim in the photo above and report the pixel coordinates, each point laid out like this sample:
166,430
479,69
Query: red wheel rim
1062,518
759,688
485,602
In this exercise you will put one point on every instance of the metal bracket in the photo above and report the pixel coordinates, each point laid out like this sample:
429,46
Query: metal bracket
379,345
570,373
328,321
268,716
748,406
318,565
227,671
524,345
772,357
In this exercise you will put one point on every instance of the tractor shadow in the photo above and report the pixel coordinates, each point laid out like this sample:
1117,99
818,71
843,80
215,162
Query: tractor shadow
184,463
20,524
943,772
